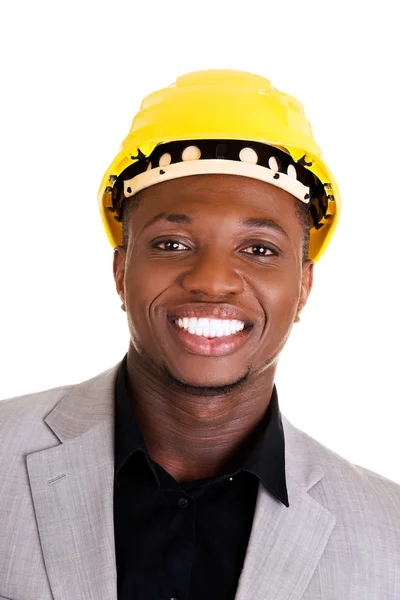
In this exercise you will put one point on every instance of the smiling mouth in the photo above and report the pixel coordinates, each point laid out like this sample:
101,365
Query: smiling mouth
220,339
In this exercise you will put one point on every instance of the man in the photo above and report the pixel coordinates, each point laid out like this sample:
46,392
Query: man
173,475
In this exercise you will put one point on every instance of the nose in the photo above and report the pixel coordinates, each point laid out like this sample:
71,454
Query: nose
213,276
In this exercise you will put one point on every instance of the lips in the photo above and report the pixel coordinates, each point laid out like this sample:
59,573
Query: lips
217,346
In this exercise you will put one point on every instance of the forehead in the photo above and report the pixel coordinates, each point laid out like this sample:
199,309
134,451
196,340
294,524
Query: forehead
201,196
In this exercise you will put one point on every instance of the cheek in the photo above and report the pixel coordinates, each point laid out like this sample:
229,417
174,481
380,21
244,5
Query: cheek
144,285
280,297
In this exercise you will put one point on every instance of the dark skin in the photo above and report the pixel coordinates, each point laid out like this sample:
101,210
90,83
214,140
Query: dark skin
195,412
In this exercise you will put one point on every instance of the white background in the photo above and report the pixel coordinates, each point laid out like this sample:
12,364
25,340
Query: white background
73,75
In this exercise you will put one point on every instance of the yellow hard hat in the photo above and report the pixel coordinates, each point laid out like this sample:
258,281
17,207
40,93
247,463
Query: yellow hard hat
225,105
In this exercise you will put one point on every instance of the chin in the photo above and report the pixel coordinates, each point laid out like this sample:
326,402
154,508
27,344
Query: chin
205,386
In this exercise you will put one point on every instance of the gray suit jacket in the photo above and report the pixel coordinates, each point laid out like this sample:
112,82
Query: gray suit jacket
338,540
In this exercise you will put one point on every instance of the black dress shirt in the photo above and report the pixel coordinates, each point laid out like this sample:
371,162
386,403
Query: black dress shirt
187,541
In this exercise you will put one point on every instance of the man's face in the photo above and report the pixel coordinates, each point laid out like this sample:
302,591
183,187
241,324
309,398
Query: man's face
235,246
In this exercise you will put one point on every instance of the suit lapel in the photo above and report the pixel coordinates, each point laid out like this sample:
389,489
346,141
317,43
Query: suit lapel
286,543
72,490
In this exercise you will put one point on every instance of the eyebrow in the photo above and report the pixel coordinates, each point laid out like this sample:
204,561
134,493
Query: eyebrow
254,223
170,217
266,223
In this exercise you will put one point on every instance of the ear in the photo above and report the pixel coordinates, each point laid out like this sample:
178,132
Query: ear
306,285
119,272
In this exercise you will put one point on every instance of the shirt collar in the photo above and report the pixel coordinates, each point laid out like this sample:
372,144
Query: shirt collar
263,454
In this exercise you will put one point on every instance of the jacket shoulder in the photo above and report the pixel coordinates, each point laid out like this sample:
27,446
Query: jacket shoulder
347,486
342,466
32,404
22,424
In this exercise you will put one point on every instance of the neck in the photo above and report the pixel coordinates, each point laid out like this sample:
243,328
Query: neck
193,436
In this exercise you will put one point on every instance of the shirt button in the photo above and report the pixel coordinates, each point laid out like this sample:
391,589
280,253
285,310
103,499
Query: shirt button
183,503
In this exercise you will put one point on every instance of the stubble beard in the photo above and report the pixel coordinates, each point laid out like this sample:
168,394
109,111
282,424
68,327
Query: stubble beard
203,390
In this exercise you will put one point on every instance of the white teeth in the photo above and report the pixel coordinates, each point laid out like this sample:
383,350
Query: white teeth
205,325
210,327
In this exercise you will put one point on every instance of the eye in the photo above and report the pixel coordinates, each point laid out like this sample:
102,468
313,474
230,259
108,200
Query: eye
260,250
169,245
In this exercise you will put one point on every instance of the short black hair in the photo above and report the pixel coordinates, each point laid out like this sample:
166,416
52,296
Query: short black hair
128,207
302,212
